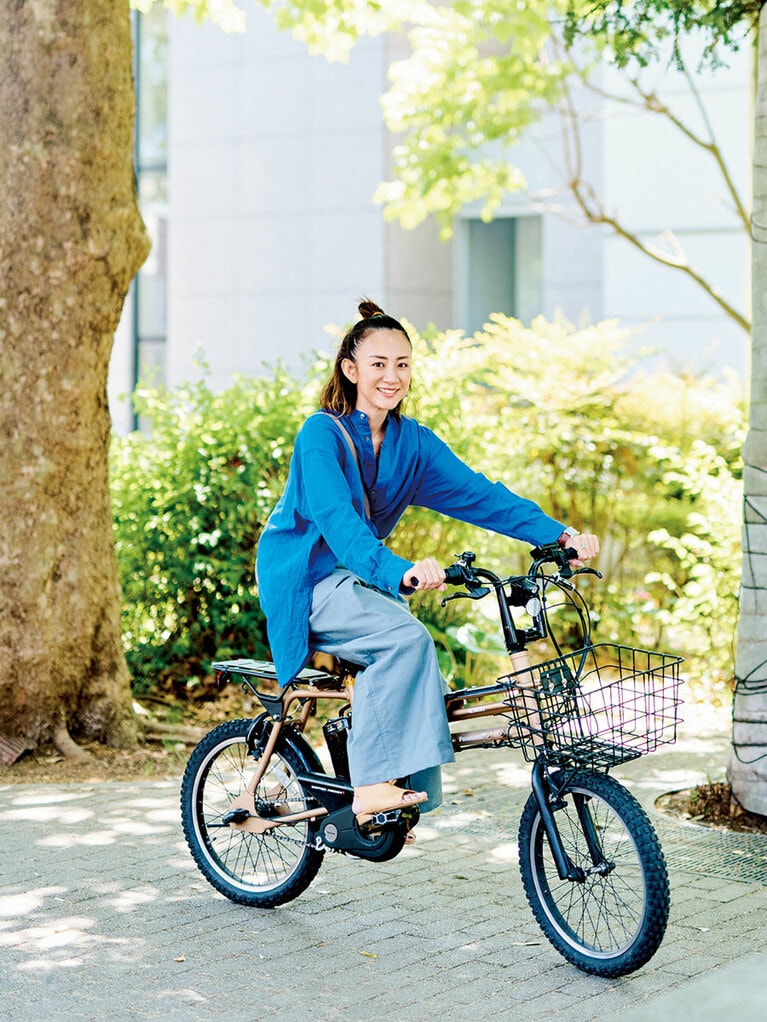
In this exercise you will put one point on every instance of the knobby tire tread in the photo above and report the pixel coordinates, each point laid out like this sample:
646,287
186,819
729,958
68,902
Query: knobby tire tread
652,869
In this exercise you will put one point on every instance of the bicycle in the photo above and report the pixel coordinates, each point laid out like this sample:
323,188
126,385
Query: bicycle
259,811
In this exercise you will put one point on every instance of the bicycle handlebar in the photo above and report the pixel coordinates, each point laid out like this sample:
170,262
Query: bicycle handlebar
462,572
527,591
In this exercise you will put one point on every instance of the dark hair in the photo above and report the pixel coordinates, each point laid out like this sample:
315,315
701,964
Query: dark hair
339,393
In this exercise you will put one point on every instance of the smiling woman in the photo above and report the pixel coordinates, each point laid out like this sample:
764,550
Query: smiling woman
380,370
328,583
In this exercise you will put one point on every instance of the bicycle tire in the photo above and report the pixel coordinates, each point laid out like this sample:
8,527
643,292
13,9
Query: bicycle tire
612,922
261,870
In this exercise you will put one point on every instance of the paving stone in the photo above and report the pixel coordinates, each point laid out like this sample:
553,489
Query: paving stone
104,914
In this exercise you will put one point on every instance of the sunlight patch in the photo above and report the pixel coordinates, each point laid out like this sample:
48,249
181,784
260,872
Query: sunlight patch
127,901
58,934
47,814
505,853
94,838
13,905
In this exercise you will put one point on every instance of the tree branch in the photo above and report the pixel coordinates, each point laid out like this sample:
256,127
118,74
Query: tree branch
651,102
593,208
679,261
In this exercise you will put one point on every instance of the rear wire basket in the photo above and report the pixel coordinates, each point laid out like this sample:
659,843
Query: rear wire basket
597,707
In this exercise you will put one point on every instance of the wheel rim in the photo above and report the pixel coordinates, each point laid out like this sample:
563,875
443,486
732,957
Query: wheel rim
604,914
250,862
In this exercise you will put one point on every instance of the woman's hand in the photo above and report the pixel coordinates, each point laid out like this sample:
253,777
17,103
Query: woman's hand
585,545
428,573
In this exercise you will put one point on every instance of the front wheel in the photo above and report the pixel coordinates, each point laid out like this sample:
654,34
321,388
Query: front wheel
611,920
263,869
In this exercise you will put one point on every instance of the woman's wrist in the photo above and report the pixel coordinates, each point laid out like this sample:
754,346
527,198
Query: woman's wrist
565,538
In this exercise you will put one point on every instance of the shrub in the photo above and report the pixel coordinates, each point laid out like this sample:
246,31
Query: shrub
650,462
190,498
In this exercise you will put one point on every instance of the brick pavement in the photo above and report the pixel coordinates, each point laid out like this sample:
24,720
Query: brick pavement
104,915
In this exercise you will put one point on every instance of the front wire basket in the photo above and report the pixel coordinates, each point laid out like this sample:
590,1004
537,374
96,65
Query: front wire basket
597,707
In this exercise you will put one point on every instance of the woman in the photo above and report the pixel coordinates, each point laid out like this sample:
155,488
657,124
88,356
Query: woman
328,583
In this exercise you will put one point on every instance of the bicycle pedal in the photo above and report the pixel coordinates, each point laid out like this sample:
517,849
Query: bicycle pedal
383,818
235,816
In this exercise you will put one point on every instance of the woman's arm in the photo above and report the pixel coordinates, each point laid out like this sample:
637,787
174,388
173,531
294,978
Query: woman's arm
449,486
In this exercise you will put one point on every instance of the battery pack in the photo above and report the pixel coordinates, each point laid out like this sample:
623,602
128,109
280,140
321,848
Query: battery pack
336,733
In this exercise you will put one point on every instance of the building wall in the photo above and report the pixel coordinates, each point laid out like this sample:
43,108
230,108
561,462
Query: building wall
273,159
659,180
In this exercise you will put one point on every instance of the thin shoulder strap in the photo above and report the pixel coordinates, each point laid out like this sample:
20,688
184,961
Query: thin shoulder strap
353,449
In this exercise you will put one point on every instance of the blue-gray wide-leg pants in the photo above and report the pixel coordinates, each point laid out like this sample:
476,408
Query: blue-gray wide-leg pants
399,724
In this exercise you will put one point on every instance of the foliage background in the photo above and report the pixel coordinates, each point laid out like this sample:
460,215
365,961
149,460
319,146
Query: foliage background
647,460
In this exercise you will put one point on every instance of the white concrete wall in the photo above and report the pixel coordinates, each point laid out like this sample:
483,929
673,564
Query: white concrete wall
572,269
274,158
120,383
653,180
659,181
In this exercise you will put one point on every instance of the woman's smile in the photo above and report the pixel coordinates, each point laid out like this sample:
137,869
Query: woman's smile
381,371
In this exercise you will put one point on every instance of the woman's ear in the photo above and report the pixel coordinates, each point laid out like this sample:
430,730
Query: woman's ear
349,369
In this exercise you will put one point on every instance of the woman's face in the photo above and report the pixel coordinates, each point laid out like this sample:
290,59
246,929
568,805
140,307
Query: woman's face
381,370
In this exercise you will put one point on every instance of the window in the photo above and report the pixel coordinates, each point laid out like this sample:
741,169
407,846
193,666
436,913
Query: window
150,287
499,269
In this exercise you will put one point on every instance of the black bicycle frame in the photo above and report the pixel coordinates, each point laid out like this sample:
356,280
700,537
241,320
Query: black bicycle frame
519,593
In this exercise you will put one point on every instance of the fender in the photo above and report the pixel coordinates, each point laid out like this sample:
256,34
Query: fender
258,736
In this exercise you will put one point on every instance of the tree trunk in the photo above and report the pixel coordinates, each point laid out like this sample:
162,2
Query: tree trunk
71,239
747,768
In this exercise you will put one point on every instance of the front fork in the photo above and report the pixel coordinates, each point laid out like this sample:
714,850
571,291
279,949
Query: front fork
546,797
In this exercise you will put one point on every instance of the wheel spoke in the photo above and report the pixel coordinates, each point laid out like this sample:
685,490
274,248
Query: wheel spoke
255,868
612,921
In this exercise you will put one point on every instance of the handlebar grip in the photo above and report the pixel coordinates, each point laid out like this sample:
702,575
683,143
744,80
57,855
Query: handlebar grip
554,553
454,575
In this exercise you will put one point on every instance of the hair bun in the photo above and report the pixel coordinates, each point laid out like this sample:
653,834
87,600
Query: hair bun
368,309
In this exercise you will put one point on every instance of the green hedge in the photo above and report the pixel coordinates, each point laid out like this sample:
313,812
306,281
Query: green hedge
190,497
649,461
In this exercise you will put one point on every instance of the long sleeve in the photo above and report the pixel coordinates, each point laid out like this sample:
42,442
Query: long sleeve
449,486
320,520
326,467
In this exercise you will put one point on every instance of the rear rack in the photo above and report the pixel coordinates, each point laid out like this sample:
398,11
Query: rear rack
273,702
265,669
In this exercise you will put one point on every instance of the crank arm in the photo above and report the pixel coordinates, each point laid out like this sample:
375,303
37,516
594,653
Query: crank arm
252,824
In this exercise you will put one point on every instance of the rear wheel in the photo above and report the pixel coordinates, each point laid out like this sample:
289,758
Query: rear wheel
612,920
265,869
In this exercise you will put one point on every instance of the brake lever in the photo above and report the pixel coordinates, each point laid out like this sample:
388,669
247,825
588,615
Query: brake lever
588,571
476,594
562,580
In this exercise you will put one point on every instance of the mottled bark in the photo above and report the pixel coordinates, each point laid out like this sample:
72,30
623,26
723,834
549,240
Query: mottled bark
747,769
71,239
